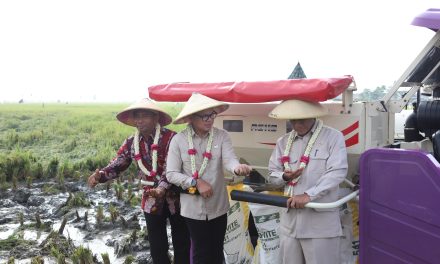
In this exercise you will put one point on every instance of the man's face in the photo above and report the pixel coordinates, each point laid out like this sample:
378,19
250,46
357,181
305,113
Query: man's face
302,126
203,120
145,120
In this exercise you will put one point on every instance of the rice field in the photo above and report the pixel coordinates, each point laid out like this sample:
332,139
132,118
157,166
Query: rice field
48,140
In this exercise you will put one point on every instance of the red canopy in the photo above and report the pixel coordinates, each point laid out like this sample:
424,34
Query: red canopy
254,92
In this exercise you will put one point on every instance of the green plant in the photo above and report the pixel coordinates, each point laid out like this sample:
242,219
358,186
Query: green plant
52,168
65,169
13,241
78,199
29,181
50,189
55,252
113,213
129,259
61,181
21,218
38,220
105,258
37,170
119,189
3,183
130,194
14,183
82,255
99,214
37,260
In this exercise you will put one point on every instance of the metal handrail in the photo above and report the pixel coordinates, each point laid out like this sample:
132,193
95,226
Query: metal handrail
333,204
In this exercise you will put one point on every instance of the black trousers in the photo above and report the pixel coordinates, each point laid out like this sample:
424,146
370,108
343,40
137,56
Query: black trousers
207,239
157,235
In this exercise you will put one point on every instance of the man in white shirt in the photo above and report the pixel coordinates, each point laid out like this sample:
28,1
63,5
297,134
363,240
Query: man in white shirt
311,161
196,160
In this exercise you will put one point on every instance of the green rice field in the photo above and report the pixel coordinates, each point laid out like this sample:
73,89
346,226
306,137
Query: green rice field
49,140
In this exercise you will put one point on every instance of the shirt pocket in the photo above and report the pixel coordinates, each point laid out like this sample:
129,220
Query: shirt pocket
318,160
216,151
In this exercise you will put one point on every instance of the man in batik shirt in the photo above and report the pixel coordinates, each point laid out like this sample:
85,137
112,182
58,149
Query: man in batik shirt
148,149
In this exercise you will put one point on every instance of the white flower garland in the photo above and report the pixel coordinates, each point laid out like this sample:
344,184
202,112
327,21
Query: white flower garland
304,158
154,148
192,153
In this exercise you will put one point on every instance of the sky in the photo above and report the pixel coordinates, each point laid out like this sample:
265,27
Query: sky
112,51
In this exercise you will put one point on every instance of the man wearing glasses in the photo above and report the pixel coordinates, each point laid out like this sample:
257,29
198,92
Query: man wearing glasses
196,159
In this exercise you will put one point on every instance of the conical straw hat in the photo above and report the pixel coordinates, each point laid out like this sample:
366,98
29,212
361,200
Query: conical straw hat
196,103
297,109
126,116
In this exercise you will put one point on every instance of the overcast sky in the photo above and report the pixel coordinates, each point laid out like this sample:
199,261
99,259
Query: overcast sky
86,50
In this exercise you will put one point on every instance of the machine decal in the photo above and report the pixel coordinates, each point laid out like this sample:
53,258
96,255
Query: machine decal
264,127
353,140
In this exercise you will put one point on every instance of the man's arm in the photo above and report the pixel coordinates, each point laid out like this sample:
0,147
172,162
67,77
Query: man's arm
163,182
276,169
174,173
229,159
119,164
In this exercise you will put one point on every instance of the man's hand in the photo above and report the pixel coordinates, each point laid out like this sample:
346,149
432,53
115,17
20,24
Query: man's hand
298,201
242,170
290,175
158,192
204,188
94,179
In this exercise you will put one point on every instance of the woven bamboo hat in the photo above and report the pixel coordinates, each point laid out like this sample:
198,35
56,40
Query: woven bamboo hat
196,103
297,109
126,116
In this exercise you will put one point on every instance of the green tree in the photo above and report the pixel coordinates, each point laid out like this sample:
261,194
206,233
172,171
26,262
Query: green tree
369,95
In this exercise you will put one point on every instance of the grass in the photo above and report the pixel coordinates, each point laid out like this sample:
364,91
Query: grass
54,140
13,241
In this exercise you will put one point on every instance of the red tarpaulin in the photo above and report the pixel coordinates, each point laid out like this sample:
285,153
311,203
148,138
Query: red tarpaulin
317,90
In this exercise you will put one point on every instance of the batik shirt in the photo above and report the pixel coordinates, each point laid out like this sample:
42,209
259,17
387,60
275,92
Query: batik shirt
125,156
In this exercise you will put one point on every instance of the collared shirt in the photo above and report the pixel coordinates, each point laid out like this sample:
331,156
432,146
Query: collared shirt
326,169
125,156
179,173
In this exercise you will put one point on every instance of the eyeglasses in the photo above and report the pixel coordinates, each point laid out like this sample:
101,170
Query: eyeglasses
206,117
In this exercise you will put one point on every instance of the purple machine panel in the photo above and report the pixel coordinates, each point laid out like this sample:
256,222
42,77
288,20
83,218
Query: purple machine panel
399,208
429,19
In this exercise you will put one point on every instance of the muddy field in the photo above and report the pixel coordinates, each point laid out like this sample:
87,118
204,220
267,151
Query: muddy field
96,222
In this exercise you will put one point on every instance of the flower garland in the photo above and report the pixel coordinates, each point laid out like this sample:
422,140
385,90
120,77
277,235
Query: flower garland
154,148
192,154
304,158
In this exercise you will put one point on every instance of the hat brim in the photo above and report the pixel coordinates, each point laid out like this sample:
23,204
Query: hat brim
185,118
199,102
297,109
127,115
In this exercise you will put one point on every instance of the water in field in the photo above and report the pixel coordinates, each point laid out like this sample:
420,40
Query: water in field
113,238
